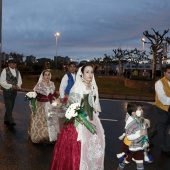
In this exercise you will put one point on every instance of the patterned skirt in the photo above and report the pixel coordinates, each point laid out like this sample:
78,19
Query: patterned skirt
43,129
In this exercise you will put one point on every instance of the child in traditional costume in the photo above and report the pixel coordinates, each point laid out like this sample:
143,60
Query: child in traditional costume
135,145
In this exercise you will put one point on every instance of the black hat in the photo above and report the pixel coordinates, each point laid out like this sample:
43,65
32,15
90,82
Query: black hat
12,61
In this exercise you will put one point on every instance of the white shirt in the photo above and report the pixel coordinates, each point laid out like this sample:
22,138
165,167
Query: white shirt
161,93
64,83
3,81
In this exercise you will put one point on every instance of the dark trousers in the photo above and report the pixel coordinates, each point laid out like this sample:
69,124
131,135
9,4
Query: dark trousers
9,99
162,127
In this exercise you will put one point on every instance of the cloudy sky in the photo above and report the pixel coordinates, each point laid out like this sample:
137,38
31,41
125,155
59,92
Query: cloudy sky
88,28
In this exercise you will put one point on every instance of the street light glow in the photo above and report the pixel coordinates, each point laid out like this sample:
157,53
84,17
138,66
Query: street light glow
57,34
143,42
143,39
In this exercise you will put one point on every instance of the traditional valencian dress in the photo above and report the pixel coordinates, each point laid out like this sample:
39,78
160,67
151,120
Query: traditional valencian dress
44,124
76,147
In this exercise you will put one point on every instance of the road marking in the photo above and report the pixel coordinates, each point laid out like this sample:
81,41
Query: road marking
153,103
114,120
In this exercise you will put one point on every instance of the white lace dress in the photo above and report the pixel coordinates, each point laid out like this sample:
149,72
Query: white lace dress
92,145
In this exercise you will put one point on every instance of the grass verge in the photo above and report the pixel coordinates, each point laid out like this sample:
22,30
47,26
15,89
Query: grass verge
106,84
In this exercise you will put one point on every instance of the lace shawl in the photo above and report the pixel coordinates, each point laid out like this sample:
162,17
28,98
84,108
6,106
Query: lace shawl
78,90
42,89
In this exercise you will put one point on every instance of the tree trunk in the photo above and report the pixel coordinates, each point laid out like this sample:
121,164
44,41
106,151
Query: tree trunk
160,65
154,66
120,66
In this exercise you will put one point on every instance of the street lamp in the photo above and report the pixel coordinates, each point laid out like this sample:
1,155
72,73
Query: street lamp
57,34
143,42
0,34
129,60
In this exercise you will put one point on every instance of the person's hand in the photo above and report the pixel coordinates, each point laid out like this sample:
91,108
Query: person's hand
62,100
142,132
18,88
59,104
14,87
54,98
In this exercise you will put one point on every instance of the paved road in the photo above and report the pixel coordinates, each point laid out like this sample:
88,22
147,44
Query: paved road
18,153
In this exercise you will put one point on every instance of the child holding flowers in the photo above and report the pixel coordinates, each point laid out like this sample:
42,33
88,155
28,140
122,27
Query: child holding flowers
81,142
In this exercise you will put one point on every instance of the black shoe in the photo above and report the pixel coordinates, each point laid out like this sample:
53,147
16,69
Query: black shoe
13,124
7,122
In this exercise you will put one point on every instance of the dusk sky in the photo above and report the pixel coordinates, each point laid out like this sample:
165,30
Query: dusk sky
88,29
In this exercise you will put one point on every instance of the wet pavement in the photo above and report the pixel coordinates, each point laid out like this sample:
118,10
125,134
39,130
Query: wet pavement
17,152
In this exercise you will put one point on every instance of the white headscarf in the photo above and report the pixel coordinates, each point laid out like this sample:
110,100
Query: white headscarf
41,78
77,91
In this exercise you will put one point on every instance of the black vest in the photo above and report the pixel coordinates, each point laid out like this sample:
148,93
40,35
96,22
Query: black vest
10,78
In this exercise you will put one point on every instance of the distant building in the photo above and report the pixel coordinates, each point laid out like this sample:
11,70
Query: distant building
4,58
61,62
30,59
46,62
17,57
140,66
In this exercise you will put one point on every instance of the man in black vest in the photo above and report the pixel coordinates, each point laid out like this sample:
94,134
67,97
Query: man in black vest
11,82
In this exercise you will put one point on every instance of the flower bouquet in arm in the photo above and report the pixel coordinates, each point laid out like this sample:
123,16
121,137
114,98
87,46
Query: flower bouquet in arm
75,112
31,96
141,123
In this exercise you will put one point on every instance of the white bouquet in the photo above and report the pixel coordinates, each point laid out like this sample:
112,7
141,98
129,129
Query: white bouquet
54,104
75,113
71,111
31,96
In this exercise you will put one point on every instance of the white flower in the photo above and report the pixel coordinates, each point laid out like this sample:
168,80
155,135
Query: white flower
49,114
70,112
31,94
54,104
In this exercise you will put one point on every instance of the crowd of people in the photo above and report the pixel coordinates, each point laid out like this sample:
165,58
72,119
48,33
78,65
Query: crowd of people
80,141
145,74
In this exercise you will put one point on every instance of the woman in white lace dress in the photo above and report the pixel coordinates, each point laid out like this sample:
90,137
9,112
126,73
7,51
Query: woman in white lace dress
76,147
44,124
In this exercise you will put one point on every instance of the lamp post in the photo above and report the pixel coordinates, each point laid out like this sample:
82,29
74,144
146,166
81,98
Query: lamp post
0,34
57,34
143,42
129,60
128,73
